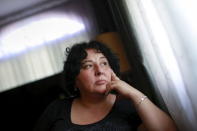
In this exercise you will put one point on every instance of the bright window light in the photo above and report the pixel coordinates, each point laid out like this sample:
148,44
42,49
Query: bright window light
37,31
166,31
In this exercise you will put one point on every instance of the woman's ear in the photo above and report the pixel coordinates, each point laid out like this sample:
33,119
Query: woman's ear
75,86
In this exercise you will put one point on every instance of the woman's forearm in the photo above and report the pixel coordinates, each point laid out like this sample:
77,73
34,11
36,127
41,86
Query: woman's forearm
153,118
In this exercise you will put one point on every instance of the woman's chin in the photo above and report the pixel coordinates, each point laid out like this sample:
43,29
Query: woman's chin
102,90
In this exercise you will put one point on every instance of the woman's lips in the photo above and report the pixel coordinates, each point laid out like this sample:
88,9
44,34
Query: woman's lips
100,82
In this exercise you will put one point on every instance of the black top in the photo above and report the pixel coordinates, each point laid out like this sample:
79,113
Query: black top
57,117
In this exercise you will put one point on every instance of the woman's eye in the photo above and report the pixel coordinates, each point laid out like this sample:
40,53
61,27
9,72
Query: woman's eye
87,66
104,63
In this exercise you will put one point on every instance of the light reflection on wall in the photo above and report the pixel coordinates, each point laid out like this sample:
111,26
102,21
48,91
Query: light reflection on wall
37,31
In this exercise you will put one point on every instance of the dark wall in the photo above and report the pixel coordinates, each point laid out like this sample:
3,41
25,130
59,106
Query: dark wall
103,16
22,106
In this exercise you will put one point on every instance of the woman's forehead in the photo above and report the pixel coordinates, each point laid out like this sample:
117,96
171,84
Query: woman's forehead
94,54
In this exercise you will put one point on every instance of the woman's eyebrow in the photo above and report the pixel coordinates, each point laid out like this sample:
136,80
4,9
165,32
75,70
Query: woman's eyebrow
103,57
85,61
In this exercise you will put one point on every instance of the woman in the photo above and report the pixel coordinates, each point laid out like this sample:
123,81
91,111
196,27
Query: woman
91,78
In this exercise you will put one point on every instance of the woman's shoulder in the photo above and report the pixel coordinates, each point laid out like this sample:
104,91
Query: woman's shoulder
57,103
57,107
56,110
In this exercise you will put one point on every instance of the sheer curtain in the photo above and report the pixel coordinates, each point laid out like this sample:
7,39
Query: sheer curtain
34,48
166,32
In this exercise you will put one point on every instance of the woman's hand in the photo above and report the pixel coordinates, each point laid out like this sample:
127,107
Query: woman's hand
153,118
121,87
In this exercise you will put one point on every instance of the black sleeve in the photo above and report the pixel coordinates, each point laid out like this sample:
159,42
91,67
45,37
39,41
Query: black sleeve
44,123
136,121
134,117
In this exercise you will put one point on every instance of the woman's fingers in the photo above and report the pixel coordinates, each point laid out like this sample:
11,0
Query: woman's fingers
112,85
108,88
114,77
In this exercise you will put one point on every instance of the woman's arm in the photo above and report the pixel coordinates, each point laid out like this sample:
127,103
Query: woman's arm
153,118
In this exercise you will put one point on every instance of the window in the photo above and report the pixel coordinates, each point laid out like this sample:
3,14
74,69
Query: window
166,32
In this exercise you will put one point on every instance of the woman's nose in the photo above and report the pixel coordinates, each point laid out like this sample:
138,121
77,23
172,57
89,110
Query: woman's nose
98,70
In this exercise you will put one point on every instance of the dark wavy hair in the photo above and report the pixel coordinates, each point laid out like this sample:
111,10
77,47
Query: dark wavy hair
75,56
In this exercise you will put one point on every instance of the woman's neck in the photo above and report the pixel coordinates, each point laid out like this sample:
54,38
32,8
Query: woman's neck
96,101
87,110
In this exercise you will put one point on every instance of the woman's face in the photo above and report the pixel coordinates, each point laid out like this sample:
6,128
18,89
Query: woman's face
95,73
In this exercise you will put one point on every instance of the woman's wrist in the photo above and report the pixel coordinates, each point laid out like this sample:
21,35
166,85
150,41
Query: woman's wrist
137,98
